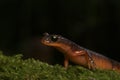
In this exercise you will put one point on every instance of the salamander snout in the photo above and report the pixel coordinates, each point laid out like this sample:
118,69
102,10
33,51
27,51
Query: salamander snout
51,40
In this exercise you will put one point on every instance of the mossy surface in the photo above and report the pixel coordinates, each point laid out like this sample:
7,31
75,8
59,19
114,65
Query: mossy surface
15,68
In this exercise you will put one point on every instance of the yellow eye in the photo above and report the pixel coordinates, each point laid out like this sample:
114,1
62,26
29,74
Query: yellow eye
54,38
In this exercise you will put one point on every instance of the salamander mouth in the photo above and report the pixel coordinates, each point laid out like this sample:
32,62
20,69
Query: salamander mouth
45,40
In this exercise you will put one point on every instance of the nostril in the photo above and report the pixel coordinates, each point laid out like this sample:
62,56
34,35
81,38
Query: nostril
45,34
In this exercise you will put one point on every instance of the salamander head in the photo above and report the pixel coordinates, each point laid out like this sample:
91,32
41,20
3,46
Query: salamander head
59,42
51,40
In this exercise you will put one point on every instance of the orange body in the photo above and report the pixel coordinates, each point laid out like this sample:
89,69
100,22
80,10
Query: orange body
79,55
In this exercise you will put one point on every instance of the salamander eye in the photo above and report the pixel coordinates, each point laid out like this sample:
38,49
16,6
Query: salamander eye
54,38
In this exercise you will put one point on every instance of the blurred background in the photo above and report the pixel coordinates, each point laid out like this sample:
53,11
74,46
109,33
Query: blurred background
93,24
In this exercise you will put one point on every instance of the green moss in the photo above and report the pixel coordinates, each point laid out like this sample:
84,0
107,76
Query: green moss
15,68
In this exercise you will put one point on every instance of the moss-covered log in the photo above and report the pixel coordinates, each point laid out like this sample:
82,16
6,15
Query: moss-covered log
15,68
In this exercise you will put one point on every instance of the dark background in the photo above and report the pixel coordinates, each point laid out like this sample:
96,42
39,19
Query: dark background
93,24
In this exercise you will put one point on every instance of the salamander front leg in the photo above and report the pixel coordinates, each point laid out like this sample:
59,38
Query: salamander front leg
66,63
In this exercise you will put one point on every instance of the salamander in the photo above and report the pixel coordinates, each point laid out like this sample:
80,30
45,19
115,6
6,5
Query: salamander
79,55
